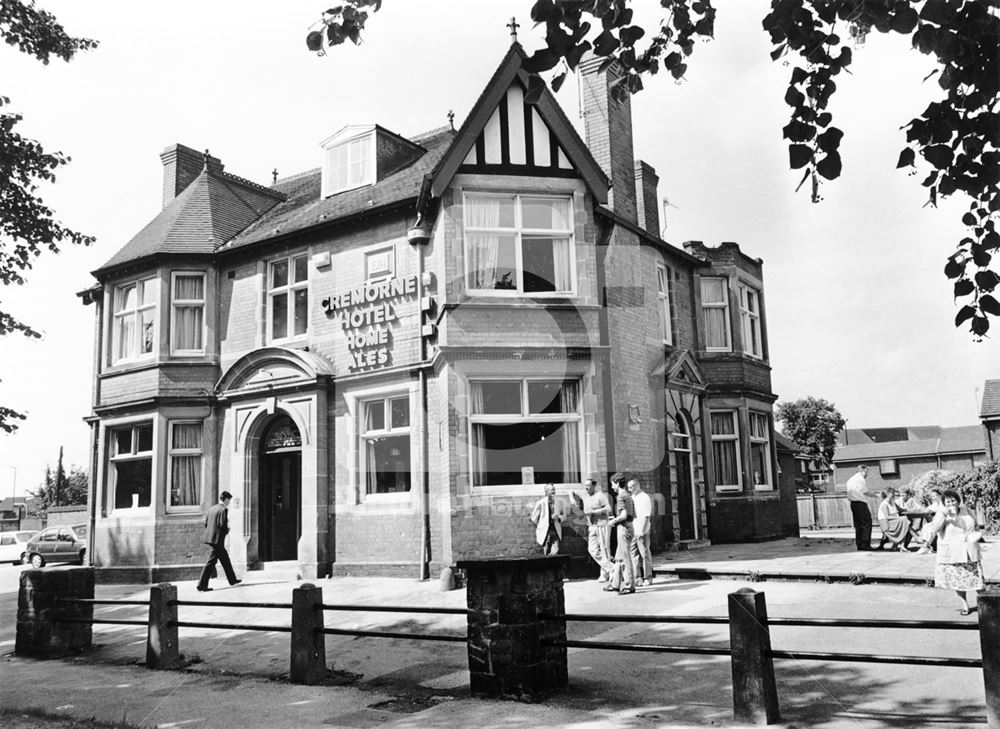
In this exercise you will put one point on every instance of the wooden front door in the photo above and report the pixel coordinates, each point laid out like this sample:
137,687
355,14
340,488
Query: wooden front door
279,505
686,500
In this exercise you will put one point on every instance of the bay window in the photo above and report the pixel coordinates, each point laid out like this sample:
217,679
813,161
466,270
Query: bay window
133,328
715,312
525,426
385,444
288,297
185,456
760,452
519,244
726,450
187,315
750,320
130,465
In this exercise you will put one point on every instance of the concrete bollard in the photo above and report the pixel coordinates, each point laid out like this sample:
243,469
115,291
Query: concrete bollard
162,647
988,608
308,652
755,695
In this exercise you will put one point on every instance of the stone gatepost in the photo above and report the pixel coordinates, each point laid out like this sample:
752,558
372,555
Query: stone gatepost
41,631
507,598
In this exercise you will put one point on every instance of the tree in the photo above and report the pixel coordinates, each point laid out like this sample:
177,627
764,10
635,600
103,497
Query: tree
957,137
58,490
813,423
27,225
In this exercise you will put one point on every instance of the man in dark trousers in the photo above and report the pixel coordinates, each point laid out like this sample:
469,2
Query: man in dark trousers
216,529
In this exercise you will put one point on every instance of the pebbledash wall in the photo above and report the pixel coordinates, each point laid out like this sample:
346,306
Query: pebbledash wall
384,359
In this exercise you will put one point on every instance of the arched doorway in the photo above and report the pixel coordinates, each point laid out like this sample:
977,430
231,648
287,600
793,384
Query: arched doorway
687,499
280,488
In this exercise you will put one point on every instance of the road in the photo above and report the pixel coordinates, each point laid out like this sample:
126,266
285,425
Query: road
431,681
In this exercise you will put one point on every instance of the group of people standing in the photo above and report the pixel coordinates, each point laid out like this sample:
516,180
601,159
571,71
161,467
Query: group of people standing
627,510
951,529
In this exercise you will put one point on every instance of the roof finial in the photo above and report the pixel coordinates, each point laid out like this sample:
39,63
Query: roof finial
451,118
205,158
274,175
513,25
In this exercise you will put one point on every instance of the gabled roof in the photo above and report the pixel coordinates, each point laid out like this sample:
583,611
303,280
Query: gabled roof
510,71
304,209
680,368
991,400
962,439
209,212
783,443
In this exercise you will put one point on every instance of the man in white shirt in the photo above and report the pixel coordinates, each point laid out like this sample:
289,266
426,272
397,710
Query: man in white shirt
547,516
597,509
861,514
640,545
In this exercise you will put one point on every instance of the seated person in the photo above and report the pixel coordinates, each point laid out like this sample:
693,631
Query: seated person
928,535
895,528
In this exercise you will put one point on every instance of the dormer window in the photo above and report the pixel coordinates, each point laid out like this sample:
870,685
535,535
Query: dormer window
349,160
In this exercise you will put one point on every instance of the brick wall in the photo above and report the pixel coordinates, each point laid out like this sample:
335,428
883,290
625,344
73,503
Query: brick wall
745,519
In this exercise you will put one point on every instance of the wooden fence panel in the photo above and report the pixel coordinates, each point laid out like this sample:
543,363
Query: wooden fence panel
820,511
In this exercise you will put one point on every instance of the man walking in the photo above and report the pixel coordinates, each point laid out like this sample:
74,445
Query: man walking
640,545
547,516
624,516
216,529
861,514
597,509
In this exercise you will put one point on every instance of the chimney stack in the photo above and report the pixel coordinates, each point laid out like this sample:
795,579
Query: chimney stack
608,130
181,165
646,182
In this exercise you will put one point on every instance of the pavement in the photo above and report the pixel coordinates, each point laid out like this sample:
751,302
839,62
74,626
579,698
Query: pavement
238,677
823,554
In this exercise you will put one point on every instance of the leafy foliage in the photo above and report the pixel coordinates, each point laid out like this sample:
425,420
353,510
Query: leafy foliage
813,423
27,225
979,487
58,490
957,137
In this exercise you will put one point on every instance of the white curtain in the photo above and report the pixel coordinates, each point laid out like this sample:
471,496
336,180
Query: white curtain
185,476
562,264
568,401
484,248
477,405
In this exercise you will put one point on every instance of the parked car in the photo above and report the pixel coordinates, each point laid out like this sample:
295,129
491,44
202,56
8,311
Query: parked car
58,544
12,546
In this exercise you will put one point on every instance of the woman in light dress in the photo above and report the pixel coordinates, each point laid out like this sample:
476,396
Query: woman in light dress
895,528
958,564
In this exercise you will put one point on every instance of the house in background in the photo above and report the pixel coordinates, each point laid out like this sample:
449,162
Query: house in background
12,510
989,413
895,456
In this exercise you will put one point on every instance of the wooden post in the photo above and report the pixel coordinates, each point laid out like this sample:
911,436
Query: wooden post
988,608
308,650
161,639
815,509
755,696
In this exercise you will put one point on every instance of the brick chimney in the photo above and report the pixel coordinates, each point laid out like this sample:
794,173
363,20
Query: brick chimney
181,165
646,181
607,126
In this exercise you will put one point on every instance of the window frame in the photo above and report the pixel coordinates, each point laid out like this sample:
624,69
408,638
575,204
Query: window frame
519,232
665,309
111,459
135,313
289,290
372,173
524,417
173,452
189,303
768,484
884,470
727,437
724,305
364,436
748,316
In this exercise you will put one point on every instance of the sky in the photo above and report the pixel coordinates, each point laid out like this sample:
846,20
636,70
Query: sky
858,310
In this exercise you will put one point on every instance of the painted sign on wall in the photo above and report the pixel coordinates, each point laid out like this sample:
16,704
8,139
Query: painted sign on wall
365,314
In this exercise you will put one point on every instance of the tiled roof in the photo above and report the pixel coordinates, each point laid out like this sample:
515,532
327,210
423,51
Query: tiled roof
783,442
305,208
991,399
210,211
963,439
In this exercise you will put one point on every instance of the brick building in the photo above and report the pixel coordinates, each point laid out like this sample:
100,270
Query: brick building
989,414
384,358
